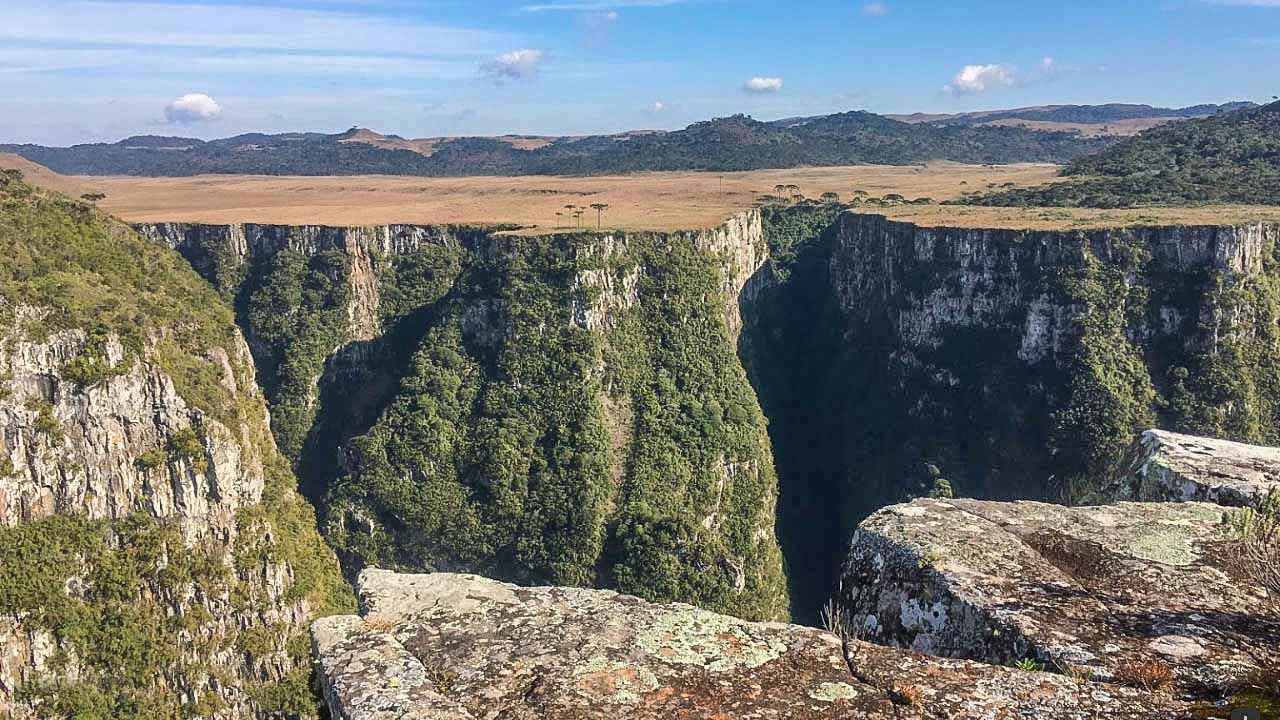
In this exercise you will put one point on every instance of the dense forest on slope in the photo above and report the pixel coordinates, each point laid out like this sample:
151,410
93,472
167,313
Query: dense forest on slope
128,599
723,144
1228,158
895,362
563,410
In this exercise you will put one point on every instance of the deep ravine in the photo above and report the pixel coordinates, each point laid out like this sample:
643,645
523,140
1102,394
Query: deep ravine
891,362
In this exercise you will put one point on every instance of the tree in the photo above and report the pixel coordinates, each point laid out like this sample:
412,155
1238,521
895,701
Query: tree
599,208
831,198
559,219
92,198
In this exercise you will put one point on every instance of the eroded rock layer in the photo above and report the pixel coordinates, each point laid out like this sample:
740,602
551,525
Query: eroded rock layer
1116,592
458,647
1169,467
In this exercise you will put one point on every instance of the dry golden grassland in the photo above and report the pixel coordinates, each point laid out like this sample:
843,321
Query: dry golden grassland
643,201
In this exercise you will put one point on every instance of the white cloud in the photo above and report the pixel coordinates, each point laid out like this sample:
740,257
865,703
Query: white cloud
976,79
1047,63
192,108
763,85
657,106
515,65
875,9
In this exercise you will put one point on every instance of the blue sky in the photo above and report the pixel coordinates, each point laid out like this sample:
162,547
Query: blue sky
90,70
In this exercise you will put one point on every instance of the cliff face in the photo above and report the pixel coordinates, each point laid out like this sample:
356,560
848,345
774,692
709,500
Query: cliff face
896,361
155,558
563,408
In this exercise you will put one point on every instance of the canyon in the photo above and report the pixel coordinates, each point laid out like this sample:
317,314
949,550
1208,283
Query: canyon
627,420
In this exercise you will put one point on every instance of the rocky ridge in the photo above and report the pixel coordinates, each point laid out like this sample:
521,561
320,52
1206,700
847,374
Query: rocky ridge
458,647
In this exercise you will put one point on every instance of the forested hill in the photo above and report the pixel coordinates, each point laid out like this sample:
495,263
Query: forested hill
1228,158
723,144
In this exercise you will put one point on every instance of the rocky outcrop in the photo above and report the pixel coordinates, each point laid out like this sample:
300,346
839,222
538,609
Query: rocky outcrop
1121,593
106,451
164,500
457,647
1169,467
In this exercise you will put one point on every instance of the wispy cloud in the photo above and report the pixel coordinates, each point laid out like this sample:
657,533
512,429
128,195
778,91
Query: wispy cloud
589,5
235,27
514,65
875,9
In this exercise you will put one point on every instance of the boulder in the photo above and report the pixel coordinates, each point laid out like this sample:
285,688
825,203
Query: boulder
1122,594
456,647
1164,466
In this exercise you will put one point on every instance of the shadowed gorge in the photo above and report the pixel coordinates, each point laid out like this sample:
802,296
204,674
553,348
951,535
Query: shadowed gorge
570,409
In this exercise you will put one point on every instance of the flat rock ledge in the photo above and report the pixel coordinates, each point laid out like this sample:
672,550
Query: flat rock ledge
1105,592
456,647
1167,467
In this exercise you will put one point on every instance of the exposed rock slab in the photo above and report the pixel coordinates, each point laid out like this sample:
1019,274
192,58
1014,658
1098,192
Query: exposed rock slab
1105,589
1164,466
460,646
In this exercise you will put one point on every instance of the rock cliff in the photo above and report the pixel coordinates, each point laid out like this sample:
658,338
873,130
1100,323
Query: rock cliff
155,559
1105,591
456,647
1168,467
897,361
565,409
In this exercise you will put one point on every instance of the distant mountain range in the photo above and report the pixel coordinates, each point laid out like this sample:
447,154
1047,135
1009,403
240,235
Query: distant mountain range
723,144
1045,134
1228,157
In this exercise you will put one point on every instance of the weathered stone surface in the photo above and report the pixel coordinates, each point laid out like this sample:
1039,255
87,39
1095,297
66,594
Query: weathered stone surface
1099,588
79,451
1164,466
461,646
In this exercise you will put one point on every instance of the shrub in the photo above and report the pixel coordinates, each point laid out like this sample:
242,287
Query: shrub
1257,549
1148,674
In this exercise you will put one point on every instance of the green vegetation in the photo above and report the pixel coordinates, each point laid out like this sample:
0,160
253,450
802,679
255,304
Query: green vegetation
294,312
525,446
1227,158
87,271
129,600
1131,335
722,144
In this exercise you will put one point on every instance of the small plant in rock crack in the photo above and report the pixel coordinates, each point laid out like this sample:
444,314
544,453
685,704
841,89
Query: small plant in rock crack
1147,674
1257,548
1028,665
834,619
1079,674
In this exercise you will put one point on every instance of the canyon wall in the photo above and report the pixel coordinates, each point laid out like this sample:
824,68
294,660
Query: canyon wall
561,409
897,361
155,558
